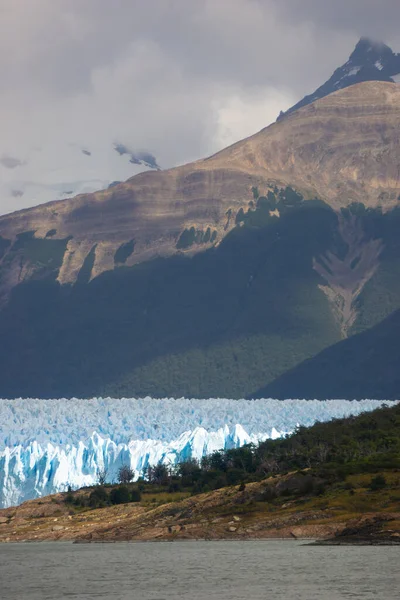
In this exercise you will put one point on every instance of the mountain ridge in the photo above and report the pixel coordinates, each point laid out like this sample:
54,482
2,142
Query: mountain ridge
369,61
310,151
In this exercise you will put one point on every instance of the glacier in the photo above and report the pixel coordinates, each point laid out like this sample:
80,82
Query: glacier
48,445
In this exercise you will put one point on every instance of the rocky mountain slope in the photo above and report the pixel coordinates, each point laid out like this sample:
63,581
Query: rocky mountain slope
341,149
241,266
370,61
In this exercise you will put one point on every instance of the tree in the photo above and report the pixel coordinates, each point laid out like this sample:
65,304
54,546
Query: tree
125,474
189,471
377,483
218,461
158,474
101,476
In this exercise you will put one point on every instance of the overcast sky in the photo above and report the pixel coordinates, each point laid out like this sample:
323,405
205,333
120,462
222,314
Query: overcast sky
177,78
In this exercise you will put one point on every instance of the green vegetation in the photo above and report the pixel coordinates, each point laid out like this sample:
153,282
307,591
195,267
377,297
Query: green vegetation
328,459
378,483
328,452
243,312
85,272
277,202
255,192
192,236
248,312
124,252
101,496
46,254
364,366
4,244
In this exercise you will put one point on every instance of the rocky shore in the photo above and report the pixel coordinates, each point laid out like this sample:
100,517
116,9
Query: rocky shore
228,513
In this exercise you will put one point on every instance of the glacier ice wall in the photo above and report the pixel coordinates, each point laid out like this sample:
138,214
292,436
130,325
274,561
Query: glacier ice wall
46,445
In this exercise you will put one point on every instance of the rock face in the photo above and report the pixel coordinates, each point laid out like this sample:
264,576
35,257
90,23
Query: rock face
342,149
370,61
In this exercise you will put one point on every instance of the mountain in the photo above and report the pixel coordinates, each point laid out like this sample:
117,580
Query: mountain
365,365
214,278
370,61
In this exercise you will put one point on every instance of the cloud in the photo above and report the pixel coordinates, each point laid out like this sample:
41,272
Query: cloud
378,20
137,157
10,162
177,80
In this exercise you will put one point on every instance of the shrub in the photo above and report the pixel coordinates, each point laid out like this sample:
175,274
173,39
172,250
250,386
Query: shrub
98,497
377,483
120,495
174,486
69,498
136,495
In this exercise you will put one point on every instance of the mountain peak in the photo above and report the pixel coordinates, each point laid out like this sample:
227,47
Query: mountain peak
370,60
366,44
368,51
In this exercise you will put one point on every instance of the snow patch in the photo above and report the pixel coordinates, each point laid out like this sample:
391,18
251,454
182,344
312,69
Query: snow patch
353,71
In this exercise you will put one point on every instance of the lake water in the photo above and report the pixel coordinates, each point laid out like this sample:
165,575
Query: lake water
267,570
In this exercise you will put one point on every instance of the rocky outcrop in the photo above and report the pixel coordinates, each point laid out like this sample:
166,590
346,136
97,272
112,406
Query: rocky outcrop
227,513
347,275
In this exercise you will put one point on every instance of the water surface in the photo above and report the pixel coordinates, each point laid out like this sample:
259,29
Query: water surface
267,570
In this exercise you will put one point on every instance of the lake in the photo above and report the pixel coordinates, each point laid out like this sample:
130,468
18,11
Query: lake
252,570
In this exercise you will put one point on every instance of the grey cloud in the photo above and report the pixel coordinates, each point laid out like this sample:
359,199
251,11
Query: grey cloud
244,41
17,193
181,78
10,162
379,20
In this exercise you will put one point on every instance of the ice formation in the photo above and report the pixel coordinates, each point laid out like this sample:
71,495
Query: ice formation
46,445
